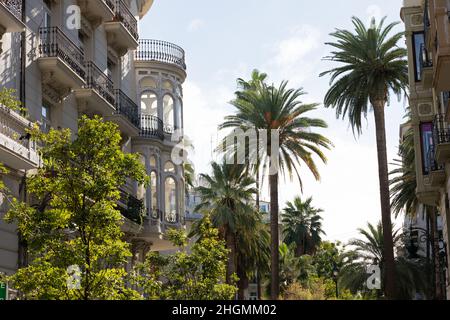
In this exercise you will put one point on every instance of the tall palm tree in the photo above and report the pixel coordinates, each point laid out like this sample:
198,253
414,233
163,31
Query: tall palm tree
369,250
372,67
227,199
302,226
257,79
280,110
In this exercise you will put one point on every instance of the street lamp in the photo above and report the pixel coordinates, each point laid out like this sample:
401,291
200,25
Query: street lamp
335,278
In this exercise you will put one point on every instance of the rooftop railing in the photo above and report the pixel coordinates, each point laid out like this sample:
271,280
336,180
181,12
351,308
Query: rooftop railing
161,51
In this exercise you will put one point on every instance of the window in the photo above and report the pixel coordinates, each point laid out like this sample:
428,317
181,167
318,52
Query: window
45,118
426,134
171,200
169,167
154,194
419,42
168,116
149,104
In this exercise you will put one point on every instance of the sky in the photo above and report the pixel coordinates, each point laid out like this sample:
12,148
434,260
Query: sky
226,40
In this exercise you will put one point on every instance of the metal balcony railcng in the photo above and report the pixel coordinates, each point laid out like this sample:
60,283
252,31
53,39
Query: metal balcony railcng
161,51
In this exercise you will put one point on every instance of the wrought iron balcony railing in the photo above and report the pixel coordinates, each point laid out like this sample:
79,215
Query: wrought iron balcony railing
441,130
151,126
97,80
14,6
125,106
54,43
124,16
432,162
161,51
134,210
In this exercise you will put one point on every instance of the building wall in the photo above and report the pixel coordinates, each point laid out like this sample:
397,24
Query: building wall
65,109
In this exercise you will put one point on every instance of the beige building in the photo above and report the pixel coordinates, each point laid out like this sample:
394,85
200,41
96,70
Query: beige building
66,58
428,40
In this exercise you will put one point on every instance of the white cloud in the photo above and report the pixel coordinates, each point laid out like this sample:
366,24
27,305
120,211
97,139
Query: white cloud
195,25
374,11
295,57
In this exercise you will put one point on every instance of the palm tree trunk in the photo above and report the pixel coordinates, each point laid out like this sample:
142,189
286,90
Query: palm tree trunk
275,260
231,246
242,283
388,243
435,251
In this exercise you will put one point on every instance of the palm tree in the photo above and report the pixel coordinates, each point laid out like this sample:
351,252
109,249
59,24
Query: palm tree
253,252
302,226
372,67
278,109
227,198
257,79
369,250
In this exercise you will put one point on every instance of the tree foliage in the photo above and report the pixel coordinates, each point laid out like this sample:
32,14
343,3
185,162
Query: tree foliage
73,218
194,274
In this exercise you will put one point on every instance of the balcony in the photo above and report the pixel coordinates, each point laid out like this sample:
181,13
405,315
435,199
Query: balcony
126,114
16,151
97,95
97,11
61,61
426,68
122,31
441,137
11,16
436,171
151,127
161,54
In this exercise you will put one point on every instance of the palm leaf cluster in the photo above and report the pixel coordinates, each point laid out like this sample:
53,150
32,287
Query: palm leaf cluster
302,226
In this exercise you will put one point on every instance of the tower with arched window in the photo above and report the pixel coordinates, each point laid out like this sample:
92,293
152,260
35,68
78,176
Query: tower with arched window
160,72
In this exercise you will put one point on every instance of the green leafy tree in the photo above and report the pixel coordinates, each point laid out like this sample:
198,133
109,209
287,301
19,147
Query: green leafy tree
195,274
302,226
372,66
328,258
73,219
9,100
279,109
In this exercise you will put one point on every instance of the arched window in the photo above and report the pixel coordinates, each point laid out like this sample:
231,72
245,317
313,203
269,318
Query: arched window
154,194
168,116
169,167
171,200
149,104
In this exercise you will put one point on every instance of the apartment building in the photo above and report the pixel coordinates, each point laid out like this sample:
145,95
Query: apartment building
427,26
67,58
